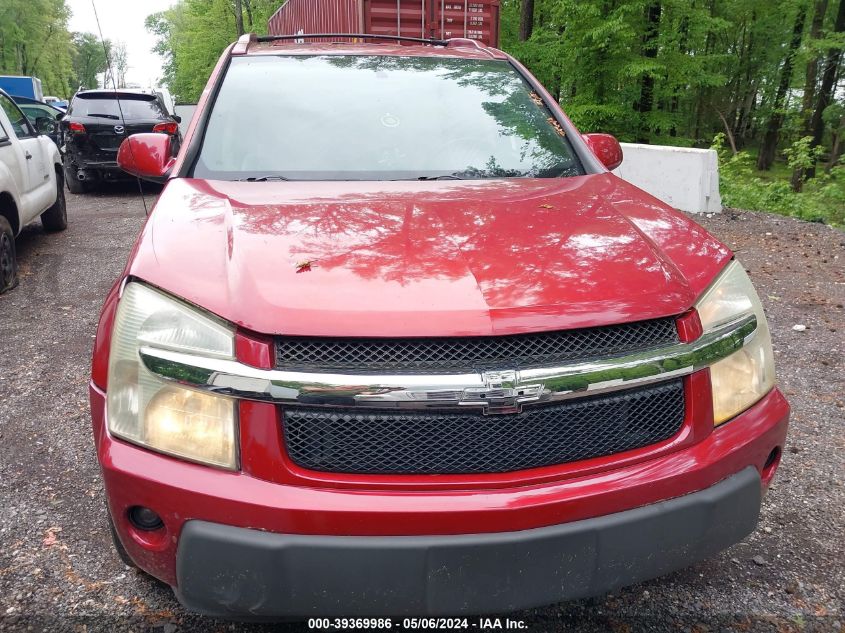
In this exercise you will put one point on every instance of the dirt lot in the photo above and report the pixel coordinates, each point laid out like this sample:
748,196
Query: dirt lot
57,568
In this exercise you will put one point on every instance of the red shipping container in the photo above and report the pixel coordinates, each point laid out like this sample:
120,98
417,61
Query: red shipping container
441,19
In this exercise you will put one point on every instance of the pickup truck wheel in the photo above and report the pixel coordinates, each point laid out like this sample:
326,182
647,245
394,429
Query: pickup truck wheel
55,218
8,260
74,185
118,547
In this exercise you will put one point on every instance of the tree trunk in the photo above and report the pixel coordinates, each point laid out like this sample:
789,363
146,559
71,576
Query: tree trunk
646,100
744,121
526,20
810,77
770,140
249,15
239,17
702,92
728,132
744,88
834,56
835,153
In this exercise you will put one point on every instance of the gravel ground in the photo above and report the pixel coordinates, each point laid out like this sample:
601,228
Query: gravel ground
57,568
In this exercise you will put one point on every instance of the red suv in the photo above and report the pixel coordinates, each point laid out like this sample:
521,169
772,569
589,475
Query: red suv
395,341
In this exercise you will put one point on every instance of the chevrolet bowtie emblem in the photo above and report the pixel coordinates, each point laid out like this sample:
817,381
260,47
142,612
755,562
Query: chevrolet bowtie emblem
502,393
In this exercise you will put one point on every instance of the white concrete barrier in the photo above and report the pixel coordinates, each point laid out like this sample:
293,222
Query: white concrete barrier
682,177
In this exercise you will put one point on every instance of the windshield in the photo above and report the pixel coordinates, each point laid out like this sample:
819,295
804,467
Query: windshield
132,106
380,118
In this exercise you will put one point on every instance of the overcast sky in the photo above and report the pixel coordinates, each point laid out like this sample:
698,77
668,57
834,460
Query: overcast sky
123,20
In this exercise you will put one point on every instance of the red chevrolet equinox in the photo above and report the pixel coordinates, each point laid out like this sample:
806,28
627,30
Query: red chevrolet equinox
394,341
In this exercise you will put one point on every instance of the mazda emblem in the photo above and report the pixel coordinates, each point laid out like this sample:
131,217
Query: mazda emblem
118,129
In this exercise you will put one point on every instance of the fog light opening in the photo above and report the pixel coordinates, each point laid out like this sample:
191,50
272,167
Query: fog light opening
771,465
145,519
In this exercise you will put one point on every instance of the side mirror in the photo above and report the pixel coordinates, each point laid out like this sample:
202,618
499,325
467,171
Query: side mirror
45,125
60,116
606,148
176,118
146,156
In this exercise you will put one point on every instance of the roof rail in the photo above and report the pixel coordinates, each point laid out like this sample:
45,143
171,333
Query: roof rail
363,36
465,41
242,45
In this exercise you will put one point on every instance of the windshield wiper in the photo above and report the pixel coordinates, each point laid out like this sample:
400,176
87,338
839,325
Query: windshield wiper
262,178
103,116
443,177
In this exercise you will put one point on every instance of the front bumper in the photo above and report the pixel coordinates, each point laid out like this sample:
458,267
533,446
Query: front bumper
227,571
554,515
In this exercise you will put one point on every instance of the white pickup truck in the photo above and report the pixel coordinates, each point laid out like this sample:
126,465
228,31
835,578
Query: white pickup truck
31,183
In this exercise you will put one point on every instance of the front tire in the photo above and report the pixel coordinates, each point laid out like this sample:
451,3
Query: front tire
8,258
55,218
74,185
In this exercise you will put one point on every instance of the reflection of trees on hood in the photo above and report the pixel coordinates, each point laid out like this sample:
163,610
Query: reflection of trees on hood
388,240
404,239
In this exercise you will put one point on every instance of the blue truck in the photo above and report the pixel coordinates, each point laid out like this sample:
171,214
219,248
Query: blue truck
22,86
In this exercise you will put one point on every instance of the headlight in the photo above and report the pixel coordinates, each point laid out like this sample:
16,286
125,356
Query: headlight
161,415
745,376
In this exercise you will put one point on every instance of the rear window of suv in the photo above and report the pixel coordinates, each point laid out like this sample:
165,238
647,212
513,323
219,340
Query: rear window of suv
373,117
133,107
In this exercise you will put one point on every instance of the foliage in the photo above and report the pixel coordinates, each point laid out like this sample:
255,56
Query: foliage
834,118
801,154
35,41
712,66
592,56
823,200
192,34
89,60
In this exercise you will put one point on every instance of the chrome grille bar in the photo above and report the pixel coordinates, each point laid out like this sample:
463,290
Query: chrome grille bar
504,391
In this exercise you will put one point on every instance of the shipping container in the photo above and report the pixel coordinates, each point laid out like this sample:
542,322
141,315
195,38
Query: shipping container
440,19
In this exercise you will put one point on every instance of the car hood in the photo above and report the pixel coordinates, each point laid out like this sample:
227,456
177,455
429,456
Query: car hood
442,258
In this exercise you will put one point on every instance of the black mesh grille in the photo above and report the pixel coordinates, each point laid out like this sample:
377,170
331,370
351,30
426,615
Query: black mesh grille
469,353
379,442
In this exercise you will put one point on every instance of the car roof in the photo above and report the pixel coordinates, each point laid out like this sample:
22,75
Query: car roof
456,48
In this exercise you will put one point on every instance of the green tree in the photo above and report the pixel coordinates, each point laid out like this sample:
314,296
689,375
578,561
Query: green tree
89,60
813,55
34,40
766,156
192,34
